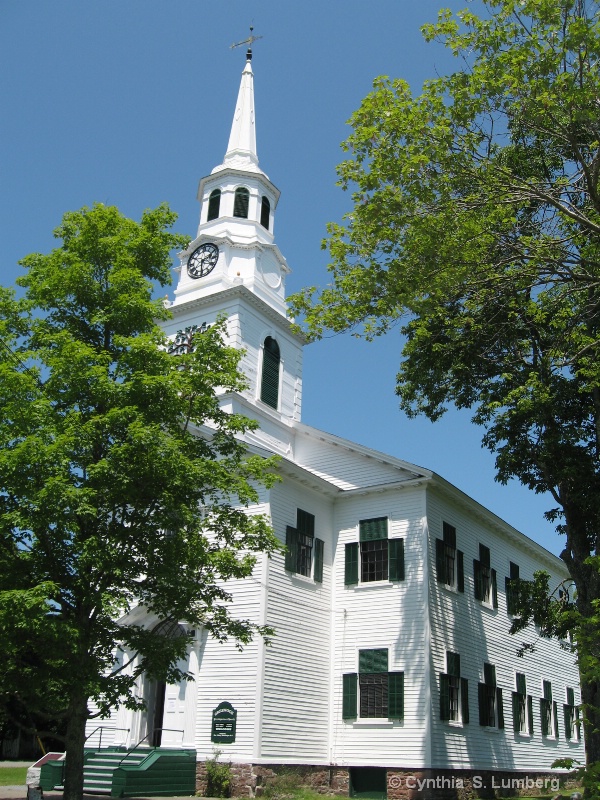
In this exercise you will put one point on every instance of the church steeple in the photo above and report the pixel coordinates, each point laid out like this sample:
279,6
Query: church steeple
241,150
234,267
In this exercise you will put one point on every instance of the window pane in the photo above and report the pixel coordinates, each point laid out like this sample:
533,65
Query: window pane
373,695
374,560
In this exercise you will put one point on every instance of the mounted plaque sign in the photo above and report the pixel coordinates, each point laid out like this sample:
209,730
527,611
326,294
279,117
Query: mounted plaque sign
223,724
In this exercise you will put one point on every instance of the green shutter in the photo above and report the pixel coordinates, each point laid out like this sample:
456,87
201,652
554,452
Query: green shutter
269,388
460,571
351,564
370,529
530,714
396,559
555,715
478,583
500,708
516,711
547,690
240,203
494,589
544,708
521,683
489,674
510,595
570,696
373,660
291,545
395,695
577,723
483,710
464,700
349,695
440,561
318,574
444,696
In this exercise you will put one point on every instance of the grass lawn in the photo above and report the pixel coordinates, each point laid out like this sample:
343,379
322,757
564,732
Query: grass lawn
13,776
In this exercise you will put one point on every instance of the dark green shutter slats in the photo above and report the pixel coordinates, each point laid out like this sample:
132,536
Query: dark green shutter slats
489,674
494,589
500,708
240,203
544,715
265,212
351,564
555,715
444,696
269,388
516,712
349,695
460,571
530,714
478,581
482,697
373,660
396,559
464,700
370,529
319,546
291,544
396,695
521,683
440,560
547,690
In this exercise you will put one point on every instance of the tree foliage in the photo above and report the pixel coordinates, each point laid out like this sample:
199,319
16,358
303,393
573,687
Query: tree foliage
476,226
122,482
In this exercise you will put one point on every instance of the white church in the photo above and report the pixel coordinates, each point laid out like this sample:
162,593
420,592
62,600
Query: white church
392,659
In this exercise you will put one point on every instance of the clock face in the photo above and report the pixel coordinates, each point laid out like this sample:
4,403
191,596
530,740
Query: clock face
203,260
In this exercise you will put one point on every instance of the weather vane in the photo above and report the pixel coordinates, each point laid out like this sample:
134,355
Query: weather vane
247,41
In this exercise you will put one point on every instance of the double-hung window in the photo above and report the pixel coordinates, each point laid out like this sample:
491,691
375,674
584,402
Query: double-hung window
454,691
304,552
374,557
522,707
373,692
486,588
491,710
449,561
548,711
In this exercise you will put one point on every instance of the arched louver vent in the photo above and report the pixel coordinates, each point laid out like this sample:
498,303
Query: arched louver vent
214,205
269,390
240,204
265,212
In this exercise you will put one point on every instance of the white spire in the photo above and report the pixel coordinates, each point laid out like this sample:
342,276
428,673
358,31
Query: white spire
241,150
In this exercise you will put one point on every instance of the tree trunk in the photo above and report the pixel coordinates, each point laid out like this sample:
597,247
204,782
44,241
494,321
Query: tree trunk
75,740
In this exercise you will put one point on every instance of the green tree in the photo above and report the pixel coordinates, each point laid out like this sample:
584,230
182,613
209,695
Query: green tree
476,226
109,448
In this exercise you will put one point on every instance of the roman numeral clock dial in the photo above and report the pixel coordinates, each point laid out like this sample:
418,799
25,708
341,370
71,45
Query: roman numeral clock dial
203,260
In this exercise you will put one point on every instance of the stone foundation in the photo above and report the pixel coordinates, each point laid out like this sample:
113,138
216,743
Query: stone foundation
250,780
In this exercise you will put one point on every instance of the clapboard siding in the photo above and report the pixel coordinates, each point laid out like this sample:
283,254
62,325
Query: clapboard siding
480,634
389,615
295,713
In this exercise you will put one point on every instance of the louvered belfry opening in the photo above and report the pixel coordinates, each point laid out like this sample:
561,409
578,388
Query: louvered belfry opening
269,390
214,205
240,203
265,212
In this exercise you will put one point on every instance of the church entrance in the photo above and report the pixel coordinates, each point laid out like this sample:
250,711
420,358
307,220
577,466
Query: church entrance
157,715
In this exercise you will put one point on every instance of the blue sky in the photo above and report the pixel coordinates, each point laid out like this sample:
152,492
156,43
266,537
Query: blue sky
129,102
